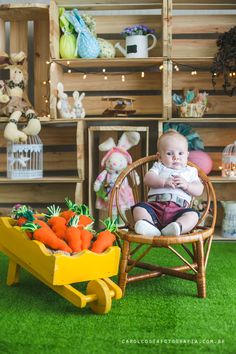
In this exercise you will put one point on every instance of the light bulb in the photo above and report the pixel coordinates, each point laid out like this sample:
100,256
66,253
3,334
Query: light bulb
84,76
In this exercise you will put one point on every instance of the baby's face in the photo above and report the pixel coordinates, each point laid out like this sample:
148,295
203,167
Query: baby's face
173,152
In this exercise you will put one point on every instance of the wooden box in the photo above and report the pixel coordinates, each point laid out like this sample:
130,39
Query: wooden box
96,136
118,76
22,26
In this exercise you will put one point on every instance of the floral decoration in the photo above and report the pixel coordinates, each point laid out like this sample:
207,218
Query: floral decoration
136,30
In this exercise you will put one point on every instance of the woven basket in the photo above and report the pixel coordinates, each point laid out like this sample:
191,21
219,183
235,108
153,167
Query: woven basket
192,110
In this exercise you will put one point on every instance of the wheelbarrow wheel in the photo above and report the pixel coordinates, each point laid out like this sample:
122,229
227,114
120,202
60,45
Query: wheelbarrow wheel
103,302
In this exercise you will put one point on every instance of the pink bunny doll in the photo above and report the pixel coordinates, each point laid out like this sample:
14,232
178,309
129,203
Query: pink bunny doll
115,160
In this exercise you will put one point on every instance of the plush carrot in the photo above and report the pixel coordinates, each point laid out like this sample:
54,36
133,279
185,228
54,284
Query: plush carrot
47,237
73,234
56,222
86,237
67,214
84,216
105,238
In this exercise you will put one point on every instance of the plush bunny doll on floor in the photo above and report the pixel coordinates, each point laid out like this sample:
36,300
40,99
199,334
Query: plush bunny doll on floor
115,160
18,104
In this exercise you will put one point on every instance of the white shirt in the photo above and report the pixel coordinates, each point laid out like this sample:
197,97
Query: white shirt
189,173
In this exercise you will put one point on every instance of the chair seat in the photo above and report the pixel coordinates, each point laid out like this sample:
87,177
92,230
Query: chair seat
164,241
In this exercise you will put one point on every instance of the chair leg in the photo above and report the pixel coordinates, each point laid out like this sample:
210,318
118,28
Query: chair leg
123,266
201,275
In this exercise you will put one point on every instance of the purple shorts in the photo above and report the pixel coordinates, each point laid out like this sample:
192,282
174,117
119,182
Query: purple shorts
163,213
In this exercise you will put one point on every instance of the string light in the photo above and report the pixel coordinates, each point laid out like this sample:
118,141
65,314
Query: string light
142,74
47,62
44,82
194,72
84,76
176,67
103,70
69,71
105,77
68,62
123,78
161,67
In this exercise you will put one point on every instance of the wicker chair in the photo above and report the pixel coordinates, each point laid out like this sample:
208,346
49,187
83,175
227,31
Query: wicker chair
196,244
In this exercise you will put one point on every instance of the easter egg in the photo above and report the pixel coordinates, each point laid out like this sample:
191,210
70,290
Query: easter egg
202,160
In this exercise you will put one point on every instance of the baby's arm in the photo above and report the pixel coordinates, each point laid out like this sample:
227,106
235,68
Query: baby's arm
194,188
153,180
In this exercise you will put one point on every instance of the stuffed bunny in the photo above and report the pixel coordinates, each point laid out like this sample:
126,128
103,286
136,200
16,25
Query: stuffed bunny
18,105
78,109
115,160
63,103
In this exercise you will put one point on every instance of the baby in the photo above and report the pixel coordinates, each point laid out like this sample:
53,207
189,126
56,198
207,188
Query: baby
172,184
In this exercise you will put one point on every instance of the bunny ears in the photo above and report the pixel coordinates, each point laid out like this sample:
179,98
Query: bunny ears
126,141
14,59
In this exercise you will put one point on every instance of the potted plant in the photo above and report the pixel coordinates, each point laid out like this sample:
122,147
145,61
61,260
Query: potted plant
136,41
224,62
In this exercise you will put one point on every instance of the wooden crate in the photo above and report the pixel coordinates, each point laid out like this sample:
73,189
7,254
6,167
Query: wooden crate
193,47
97,135
146,90
24,20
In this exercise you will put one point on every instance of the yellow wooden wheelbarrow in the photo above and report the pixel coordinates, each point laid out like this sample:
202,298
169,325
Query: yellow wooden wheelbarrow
59,271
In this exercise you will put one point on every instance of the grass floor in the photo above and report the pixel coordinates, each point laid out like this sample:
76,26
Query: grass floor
153,317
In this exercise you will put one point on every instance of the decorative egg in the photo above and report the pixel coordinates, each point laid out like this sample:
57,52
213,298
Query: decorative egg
107,50
201,159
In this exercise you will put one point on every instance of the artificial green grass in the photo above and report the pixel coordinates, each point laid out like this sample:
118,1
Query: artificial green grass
153,317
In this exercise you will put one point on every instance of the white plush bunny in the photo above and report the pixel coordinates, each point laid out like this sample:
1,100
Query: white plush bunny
63,104
115,160
78,109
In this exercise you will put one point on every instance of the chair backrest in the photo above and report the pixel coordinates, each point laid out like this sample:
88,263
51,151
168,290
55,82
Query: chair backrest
140,191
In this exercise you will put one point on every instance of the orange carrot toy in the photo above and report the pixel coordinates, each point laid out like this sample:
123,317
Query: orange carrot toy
84,216
67,214
47,237
105,238
56,222
73,234
86,237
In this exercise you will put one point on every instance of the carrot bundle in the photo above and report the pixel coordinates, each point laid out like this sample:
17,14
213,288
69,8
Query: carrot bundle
71,211
56,222
73,234
47,237
105,238
85,218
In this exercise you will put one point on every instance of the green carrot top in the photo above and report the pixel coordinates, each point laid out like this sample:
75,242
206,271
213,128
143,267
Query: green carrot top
110,224
70,205
29,226
53,211
73,222
83,209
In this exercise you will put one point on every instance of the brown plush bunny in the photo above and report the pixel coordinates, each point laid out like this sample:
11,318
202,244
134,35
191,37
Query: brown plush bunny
19,104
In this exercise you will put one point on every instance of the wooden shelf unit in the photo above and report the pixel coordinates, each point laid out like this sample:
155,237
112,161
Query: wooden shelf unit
187,39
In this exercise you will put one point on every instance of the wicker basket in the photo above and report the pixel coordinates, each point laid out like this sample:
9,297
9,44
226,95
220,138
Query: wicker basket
192,110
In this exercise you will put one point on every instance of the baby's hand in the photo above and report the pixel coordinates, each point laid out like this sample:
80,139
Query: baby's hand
180,182
170,182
